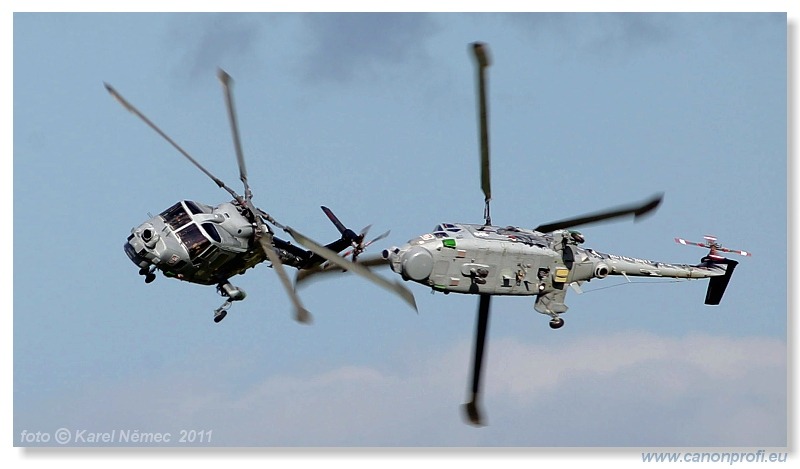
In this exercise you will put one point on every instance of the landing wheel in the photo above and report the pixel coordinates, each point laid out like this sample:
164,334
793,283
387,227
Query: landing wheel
556,323
220,315
148,278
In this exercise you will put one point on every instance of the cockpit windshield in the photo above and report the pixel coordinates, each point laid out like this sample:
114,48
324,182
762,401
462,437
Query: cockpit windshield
176,216
194,240
449,227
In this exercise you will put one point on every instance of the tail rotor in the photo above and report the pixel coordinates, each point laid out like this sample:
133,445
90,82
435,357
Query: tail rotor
356,240
359,246
713,246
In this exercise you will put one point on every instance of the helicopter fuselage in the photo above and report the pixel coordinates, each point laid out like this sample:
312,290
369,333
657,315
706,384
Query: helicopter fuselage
491,260
195,242
201,244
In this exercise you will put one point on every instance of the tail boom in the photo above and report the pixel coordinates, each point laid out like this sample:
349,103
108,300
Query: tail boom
718,269
634,267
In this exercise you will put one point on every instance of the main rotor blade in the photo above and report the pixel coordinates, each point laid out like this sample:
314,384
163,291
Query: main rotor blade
301,314
394,287
481,56
130,107
635,210
471,408
227,84
304,275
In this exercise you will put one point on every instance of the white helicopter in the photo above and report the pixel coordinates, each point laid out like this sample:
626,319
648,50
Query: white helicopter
208,245
487,260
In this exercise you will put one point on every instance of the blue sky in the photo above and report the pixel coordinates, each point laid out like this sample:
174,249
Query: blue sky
374,116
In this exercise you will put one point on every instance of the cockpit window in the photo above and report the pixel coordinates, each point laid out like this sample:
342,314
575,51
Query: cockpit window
193,207
194,240
212,231
447,227
176,216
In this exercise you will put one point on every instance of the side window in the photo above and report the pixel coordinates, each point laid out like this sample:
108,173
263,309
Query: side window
212,231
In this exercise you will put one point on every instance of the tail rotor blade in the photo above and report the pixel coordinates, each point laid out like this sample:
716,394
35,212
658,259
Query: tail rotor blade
358,250
690,243
378,238
472,408
736,251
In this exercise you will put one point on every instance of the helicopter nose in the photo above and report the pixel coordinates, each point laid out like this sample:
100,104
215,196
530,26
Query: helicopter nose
136,258
417,263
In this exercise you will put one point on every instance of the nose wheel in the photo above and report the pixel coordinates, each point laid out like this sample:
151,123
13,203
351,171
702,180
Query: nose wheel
232,294
149,273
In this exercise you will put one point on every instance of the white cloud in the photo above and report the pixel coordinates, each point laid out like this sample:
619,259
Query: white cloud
548,367
627,389
640,389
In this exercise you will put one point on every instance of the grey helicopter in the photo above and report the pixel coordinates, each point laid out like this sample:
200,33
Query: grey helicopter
208,245
543,262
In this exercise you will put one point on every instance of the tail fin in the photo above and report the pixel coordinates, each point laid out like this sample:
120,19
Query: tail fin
349,237
717,285
347,234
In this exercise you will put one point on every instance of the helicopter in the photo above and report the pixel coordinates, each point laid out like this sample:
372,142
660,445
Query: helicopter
488,260
208,245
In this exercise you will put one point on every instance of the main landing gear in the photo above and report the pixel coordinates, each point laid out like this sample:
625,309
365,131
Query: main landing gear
555,320
556,323
232,294
552,304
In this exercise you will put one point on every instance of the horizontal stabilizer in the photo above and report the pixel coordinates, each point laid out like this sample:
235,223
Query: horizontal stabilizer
717,285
